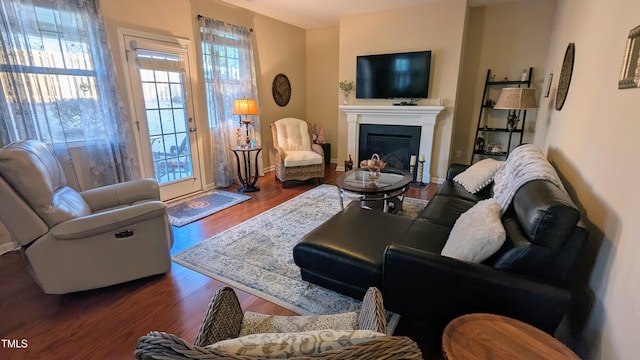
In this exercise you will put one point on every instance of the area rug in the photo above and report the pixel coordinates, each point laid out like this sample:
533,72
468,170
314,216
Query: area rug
256,255
188,210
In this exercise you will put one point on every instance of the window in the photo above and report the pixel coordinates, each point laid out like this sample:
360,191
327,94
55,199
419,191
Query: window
229,74
48,77
224,60
57,85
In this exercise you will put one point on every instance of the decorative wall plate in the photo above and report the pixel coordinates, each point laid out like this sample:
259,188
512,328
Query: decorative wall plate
281,89
565,76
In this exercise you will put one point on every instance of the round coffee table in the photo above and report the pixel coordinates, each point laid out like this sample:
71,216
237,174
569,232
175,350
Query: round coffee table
386,192
489,336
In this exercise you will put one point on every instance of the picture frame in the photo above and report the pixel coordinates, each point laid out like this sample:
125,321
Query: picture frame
548,85
630,74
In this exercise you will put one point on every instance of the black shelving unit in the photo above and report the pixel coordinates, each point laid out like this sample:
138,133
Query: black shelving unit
484,130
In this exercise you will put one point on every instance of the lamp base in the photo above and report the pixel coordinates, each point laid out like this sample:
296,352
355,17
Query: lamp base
512,121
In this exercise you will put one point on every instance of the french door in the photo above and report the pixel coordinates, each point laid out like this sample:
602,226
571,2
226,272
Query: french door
160,89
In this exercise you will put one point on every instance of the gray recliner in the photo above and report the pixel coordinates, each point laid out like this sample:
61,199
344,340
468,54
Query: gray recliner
78,241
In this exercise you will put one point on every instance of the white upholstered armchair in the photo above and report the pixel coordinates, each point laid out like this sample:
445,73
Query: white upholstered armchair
80,240
297,157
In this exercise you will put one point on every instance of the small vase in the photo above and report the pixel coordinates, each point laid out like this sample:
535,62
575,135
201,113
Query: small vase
345,101
374,174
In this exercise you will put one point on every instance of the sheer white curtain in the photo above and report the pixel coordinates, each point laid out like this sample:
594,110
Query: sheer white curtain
58,86
229,74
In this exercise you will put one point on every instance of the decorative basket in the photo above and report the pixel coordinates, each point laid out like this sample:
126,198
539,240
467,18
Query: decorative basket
374,165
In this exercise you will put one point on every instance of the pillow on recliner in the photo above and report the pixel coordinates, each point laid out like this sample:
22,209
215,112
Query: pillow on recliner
477,234
478,175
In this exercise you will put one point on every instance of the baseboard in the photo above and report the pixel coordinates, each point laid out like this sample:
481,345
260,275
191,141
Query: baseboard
209,187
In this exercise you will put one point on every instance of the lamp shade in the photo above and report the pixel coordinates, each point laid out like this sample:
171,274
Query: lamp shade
516,99
245,107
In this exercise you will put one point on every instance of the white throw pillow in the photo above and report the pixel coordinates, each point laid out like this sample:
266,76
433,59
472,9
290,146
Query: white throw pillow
478,175
477,234
285,345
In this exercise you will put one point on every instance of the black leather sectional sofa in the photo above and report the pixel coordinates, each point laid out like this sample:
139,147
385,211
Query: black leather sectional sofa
527,279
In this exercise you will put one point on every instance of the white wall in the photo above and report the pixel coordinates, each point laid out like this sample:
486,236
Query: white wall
593,142
436,26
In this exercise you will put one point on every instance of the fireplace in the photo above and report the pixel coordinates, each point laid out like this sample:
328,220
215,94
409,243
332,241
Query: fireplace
393,143
423,117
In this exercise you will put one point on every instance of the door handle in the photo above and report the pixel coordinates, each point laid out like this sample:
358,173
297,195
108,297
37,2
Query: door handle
192,129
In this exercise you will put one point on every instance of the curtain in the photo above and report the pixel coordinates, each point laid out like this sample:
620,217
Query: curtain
58,86
229,74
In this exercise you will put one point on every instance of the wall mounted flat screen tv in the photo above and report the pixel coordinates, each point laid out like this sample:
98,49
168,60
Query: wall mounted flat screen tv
397,75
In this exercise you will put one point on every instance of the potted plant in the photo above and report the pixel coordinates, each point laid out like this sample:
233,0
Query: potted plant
346,87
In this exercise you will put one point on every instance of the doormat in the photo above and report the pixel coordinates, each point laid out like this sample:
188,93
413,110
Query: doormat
188,210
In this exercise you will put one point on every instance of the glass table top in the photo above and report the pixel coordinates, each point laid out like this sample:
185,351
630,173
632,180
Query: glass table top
360,180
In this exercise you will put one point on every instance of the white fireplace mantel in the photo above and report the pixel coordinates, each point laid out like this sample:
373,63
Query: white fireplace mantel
423,116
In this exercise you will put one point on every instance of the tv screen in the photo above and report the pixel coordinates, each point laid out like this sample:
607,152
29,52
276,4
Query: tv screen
398,75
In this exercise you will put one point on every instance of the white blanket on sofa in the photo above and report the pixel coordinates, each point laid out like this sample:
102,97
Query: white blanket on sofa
525,163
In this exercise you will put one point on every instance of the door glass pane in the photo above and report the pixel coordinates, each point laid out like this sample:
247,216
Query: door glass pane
153,120
168,130
180,121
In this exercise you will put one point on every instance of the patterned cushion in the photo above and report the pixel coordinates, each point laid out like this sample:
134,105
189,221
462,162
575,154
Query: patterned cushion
285,345
255,323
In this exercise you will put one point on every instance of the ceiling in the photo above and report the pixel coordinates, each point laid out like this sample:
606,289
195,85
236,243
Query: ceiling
310,14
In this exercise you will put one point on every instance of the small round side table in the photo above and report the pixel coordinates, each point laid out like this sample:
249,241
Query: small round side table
489,336
249,180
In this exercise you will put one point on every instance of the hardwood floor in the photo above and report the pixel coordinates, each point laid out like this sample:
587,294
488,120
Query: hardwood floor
106,323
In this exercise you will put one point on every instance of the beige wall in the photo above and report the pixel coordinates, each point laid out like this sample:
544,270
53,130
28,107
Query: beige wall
593,142
505,38
435,26
278,48
322,82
